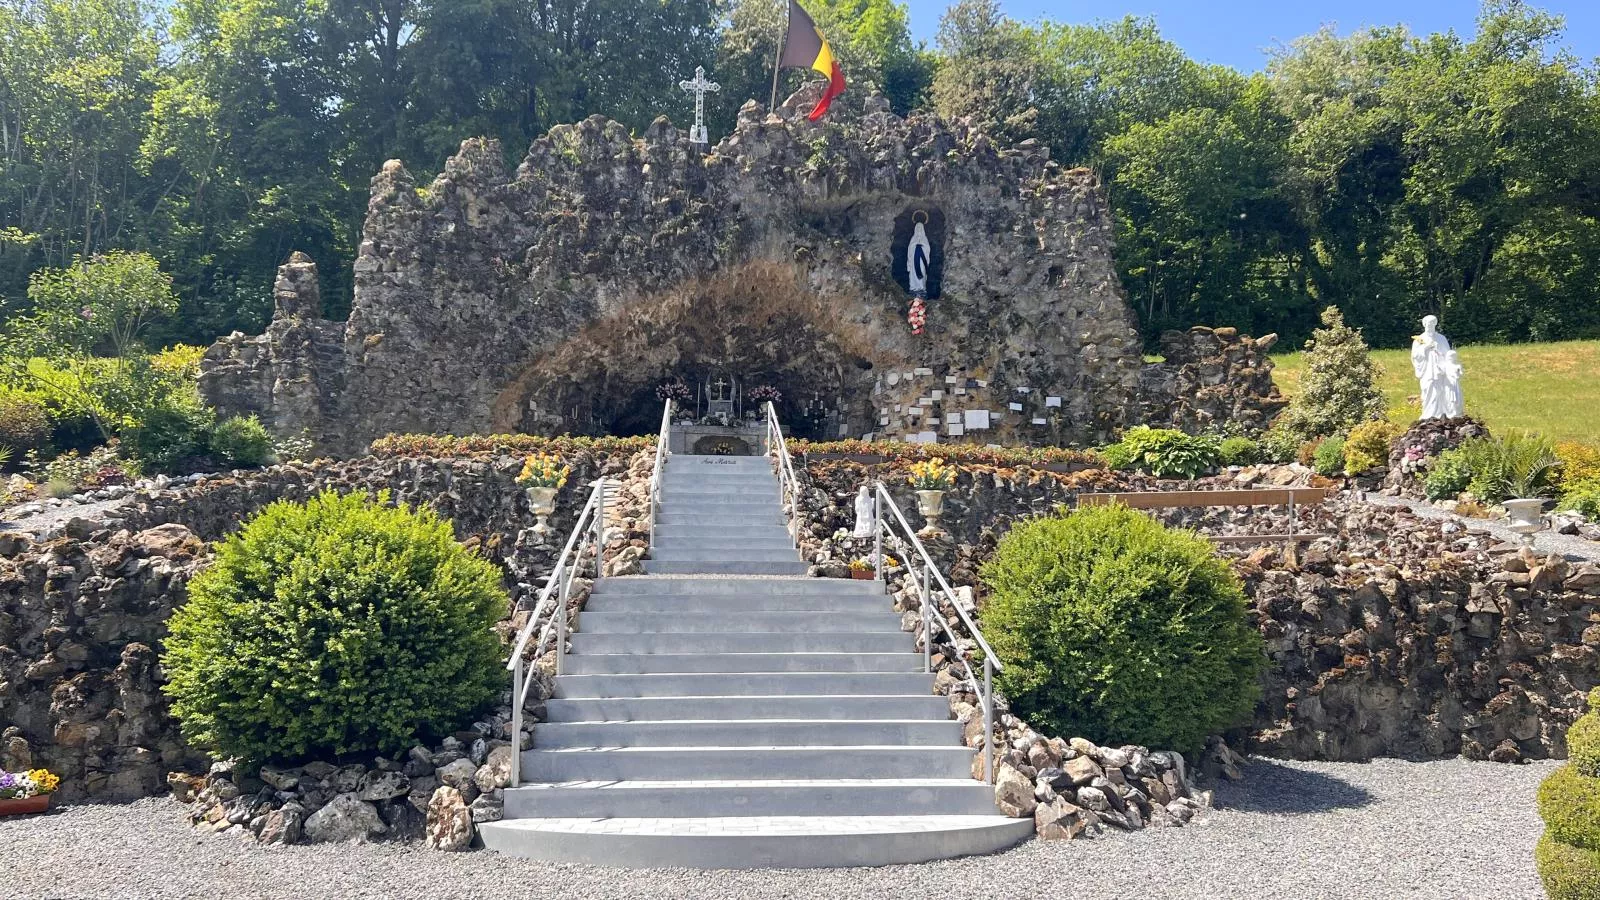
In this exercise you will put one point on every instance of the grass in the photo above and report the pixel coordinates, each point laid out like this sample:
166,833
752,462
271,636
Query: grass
1550,388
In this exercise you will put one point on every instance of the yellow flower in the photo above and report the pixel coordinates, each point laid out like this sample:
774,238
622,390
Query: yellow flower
47,783
544,470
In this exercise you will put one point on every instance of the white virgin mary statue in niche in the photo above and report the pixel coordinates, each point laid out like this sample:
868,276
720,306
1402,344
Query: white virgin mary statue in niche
1438,373
865,518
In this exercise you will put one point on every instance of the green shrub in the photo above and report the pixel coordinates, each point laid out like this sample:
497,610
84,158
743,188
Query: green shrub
241,441
1239,451
170,435
1583,740
1280,445
1568,872
1113,627
1339,388
1447,477
1515,464
1329,457
1367,446
1569,803
335,626
24,423
1165,452
1582,497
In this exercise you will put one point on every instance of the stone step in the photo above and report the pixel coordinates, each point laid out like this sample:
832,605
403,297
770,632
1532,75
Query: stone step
822,797
774,531
741,519
737,604
748,733
634,664
752,842
671,686
716,554
691,490
731,504
726,544
746,763
654,623
789,585
672,643
792,706
727,567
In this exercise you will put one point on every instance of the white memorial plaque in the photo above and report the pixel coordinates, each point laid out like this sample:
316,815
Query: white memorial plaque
1038,421
1052,401
937,395
1016,407
976,419
923,371
954,430
927,437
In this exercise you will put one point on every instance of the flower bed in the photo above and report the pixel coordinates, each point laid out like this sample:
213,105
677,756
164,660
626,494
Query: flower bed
968,454
470,445
26,792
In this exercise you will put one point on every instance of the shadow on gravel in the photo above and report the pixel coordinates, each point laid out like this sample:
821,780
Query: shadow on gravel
1276,789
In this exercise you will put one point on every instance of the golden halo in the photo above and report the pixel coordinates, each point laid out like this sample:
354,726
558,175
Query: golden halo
921,212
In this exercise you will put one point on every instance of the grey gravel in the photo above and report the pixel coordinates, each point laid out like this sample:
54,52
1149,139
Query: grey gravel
1390,828
1547,541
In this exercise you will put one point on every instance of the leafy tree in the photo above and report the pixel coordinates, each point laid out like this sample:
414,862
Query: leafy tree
96,307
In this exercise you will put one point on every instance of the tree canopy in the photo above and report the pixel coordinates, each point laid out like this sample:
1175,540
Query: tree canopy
1386,173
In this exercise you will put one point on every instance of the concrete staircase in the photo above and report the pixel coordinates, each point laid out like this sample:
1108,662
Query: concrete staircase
726,711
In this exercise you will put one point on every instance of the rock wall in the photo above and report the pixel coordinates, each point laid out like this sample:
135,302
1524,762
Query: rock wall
1394,636
82,616
1209,377
555,298
80,621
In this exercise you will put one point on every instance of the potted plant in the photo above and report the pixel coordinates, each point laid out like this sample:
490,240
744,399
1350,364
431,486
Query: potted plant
26,792
930,479
861,568
1529,470
542,475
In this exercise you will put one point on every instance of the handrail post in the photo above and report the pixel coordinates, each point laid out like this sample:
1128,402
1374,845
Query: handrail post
927,624
877,533
516,721
988,719
600,532
561,624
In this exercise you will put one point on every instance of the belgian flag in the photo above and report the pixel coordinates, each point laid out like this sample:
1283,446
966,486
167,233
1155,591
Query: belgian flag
804,47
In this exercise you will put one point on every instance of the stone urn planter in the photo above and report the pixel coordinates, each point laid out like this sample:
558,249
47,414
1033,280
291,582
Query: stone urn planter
1524,514
930,504
35,804
543,502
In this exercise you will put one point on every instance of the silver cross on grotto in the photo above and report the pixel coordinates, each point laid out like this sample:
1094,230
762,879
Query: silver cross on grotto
699,85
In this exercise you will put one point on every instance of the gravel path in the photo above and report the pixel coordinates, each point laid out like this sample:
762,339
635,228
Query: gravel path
55,517
1546,541
1447,829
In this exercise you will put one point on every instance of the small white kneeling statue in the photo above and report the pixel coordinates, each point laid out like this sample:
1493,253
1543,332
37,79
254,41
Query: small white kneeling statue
1438,373
865,520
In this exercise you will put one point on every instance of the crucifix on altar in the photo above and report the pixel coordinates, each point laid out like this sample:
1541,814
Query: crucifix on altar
699,86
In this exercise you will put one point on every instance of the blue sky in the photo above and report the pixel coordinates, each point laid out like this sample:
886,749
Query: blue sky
1238,32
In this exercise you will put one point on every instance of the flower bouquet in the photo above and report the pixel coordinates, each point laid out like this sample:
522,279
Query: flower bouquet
932,475
762,394
676,391
542,475
26,792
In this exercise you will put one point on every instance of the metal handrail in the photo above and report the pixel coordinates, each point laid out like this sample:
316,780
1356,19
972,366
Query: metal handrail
788,485
590,528
884,527
663,437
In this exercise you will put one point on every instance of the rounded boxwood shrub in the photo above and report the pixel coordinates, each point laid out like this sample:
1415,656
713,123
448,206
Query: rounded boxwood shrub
1239,451
1569,803
342,624
1568,856
1116,628
1568,872
241,441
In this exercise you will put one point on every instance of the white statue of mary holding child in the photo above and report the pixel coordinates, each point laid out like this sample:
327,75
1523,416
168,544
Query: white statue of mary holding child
1438,372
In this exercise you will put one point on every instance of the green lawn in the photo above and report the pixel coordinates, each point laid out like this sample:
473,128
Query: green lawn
1550,388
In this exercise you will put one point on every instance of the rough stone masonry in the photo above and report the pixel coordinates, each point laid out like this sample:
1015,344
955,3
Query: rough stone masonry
555,298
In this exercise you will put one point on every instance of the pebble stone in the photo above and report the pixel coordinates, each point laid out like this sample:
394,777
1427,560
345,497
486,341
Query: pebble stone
1385,829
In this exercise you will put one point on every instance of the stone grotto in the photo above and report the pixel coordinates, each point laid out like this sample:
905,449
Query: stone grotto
556,298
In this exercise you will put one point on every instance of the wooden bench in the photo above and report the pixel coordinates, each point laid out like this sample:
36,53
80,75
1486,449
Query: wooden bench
1289,497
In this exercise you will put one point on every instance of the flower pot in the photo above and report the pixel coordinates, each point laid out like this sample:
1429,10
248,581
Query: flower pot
35,804
930,503
543,502
863,574
1525,515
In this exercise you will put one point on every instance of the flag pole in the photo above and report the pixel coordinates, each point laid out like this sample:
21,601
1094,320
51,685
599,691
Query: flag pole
777,62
